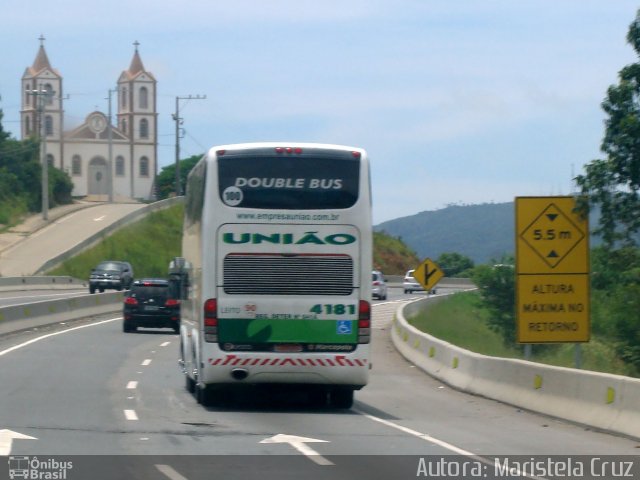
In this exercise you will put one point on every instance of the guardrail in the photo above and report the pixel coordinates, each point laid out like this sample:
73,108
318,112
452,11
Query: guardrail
600,400
39,282
37,314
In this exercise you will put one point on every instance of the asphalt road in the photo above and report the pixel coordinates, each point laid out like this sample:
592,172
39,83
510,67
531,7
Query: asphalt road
94,390
27,256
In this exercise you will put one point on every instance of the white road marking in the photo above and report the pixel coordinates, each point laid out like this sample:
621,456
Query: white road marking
6,440
99,219
165,344
299,443
415,433
130,415
34,340
146,362
170,473
132,385
440,443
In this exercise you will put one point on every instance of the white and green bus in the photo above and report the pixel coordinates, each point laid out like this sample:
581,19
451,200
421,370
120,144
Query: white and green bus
277,249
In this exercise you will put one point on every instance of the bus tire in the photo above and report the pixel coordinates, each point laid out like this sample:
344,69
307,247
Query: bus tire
203,396
189,383
341,398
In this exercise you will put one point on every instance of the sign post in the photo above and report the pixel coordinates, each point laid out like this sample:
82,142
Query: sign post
552,271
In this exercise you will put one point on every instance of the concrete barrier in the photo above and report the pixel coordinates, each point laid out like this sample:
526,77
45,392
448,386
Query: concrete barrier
603,401
37,314
41,282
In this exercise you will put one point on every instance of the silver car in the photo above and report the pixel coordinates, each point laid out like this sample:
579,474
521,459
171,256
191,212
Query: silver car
410,284
378,285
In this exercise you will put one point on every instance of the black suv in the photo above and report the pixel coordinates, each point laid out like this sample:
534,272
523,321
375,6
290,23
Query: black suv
111,274
151,303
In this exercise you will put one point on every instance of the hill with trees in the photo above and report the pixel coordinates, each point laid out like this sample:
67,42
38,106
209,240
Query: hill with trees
480,232
20,179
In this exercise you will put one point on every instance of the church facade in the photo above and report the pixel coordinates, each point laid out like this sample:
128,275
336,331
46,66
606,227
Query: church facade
122,161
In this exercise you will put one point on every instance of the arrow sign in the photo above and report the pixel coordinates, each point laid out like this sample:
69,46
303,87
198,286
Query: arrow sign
6,440
299,444
428,274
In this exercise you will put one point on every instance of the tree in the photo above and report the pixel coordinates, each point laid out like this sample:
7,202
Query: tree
453,263
167,176
613,183
497,291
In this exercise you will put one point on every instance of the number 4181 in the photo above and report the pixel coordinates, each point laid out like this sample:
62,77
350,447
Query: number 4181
333,309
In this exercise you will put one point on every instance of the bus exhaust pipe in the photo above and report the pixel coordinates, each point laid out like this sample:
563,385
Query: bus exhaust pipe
239,374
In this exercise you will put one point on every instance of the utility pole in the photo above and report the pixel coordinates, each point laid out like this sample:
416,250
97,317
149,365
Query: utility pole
110,140
42,94
179,121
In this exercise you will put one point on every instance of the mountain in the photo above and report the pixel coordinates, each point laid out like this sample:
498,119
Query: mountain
482,232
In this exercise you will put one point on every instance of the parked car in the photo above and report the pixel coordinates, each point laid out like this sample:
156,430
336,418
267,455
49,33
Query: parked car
378,285
111,274
151,303
410,284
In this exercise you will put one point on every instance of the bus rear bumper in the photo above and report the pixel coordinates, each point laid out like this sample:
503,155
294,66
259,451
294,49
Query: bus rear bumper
343,370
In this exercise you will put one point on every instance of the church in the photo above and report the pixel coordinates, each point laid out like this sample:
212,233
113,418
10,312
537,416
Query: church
121,161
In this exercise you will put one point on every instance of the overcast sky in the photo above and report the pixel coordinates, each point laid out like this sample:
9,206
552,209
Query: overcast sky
457,102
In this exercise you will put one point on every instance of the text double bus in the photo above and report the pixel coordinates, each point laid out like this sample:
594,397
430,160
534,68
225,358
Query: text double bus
277,251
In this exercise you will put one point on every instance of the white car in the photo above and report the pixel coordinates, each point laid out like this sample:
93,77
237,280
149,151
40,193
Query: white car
378,285
410,284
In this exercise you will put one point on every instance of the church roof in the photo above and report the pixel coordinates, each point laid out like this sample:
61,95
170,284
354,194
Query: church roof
136,64
41,63
136,67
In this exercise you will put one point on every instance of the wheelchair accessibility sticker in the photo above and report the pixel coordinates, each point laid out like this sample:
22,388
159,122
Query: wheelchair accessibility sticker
343,327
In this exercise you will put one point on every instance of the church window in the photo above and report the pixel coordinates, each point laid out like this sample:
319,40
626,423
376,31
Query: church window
144,97
48,98
124,126
144,128
50,160
27,126
76,165
124,97
27,95
48,125
144,167
120,166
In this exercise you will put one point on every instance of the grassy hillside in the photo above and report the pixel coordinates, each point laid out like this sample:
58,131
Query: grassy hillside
391,255
148,245
151,243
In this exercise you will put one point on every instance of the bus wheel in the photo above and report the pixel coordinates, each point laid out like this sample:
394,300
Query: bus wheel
341,398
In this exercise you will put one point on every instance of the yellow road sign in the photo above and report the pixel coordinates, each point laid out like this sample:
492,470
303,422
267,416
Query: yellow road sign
428,274
552,271
550,238
553,308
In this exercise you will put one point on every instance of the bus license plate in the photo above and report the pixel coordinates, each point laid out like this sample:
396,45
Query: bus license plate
287,348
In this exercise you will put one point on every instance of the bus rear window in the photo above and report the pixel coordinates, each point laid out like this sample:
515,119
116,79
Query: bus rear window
298,182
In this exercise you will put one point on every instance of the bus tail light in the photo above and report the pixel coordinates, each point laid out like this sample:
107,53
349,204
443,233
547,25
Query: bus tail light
364,322
296,150
211,320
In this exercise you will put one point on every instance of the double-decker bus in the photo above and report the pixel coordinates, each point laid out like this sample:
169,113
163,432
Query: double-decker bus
277,249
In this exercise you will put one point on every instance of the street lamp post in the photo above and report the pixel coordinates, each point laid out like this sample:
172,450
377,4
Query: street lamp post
42,94
178,120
